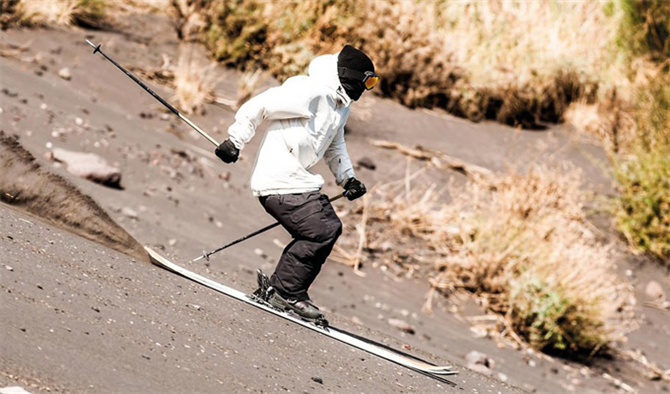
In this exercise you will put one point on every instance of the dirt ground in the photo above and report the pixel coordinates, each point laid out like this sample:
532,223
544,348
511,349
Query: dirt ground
78,317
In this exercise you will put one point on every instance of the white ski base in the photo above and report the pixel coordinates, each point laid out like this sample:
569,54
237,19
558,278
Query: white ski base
366,345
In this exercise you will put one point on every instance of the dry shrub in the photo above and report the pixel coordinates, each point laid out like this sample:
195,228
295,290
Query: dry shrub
643,174
9,13
86,13
193,82
521,244
520,63
247,84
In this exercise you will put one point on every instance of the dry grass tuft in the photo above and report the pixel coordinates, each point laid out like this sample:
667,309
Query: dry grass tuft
249,81
520,63
194,83
521,245
86,13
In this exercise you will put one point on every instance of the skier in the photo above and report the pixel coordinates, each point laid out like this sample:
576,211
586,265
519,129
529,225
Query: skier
306,118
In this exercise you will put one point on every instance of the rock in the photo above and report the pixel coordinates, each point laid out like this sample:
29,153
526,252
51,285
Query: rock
9,93
129,213
654,290
65,73
225,176
367,162
402,325
88,166
480,362
318,380
261,253
9,268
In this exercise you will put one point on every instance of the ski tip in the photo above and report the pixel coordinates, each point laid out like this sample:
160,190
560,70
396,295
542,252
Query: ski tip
155,257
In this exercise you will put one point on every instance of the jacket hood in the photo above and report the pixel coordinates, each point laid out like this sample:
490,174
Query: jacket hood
324,68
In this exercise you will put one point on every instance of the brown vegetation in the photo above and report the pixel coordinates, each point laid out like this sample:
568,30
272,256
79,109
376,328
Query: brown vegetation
520,63
521,244
86,13
193,82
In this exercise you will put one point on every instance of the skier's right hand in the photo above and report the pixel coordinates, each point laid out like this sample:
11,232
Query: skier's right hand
227,152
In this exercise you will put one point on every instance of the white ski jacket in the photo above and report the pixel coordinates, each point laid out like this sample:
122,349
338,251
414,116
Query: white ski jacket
306,123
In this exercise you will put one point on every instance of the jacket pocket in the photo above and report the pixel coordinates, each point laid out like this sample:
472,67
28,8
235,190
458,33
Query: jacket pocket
306,210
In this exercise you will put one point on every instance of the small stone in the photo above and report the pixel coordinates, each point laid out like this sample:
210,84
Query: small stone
402,325
79,121
654,290
261,253
356,320
129,213
9,268
480,362
367,162
502,377
65,73
318,380
225,176
172,242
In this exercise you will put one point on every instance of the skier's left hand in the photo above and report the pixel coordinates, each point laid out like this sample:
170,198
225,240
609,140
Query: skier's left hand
227,152
354,189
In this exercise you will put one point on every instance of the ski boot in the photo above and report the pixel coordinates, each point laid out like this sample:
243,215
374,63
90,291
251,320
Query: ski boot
305,309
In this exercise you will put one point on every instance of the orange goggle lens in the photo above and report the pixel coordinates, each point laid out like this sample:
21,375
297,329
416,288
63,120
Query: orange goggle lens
371,82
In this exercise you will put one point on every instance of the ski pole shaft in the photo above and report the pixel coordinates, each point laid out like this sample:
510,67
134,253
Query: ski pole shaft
205,254
151,92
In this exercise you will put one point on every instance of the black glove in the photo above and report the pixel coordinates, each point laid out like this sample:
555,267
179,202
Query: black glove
227,152
354,189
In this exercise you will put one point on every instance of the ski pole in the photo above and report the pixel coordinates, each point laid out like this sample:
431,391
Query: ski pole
151,92
205,254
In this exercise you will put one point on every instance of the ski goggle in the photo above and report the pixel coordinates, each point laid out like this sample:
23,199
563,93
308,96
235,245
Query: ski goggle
368,78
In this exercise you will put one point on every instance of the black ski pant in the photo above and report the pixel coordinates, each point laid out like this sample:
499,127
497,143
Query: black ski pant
314,225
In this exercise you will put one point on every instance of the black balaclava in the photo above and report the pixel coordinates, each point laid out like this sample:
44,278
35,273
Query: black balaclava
354,59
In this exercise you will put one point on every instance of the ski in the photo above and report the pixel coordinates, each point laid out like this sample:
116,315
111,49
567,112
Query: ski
380,350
